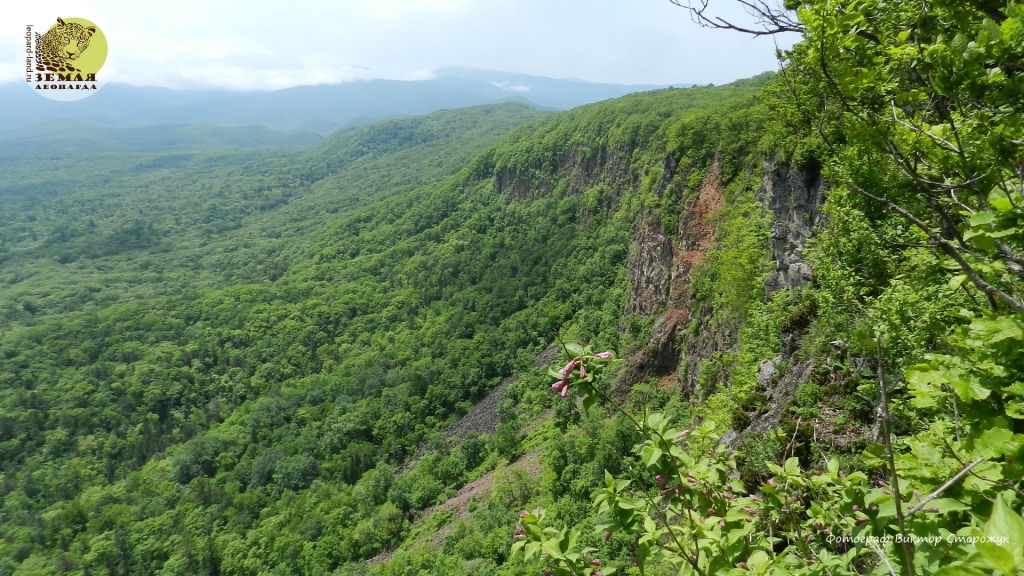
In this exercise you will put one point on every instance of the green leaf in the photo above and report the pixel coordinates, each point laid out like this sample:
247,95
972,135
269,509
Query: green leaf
982,218
533,531
793,465
1006,528
875,456
956,281
651,455
991,30
588,402
948,505
993,443
997,555
990,471
833,466
552,548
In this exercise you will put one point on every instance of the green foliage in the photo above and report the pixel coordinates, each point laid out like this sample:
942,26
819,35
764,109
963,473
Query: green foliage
227,363
926,122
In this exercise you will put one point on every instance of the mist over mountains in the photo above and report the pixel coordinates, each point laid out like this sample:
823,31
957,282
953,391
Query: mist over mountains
310,109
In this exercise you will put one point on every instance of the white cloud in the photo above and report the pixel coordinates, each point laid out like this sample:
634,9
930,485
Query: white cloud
268,44
510,87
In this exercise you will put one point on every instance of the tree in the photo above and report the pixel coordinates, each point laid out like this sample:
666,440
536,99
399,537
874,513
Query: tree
920,107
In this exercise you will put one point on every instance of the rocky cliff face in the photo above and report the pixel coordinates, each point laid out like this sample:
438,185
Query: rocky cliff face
660,278
659,273
795,198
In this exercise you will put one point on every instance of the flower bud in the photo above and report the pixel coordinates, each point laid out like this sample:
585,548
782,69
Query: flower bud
565,392
603,355
557,386
568,367
583,371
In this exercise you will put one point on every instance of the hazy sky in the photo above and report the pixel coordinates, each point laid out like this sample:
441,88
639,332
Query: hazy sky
277,44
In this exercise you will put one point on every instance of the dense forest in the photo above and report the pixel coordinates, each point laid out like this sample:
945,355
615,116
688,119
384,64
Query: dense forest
771,327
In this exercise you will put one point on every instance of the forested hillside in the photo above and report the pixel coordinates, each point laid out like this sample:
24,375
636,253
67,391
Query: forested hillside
277,333
771,327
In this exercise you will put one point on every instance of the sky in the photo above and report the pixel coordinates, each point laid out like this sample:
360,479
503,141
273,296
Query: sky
269,45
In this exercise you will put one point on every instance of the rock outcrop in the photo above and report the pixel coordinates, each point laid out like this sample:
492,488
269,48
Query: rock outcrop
660,282
659,273
795,198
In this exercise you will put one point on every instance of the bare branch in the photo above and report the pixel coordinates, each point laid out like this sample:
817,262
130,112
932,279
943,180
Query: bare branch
938,491
771,19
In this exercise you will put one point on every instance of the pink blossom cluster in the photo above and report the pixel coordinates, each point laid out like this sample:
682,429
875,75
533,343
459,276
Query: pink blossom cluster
561,387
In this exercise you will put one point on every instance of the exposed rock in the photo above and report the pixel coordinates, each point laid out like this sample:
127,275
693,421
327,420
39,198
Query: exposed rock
546,357
779,397
728,439
483,418
696,237
659,273
649,267
795,198
767,370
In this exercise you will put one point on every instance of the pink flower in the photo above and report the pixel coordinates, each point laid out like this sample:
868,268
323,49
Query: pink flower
565,392
557,386
607,536
524,514
568,367
595,562
603,355
583,371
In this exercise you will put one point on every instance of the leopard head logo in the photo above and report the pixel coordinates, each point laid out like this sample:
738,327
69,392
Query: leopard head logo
61,46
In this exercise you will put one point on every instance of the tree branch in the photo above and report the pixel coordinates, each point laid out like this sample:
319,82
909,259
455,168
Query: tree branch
772,20
951,250
938,491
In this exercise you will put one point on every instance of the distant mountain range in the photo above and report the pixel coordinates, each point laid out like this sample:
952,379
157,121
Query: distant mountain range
61,137
303,109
